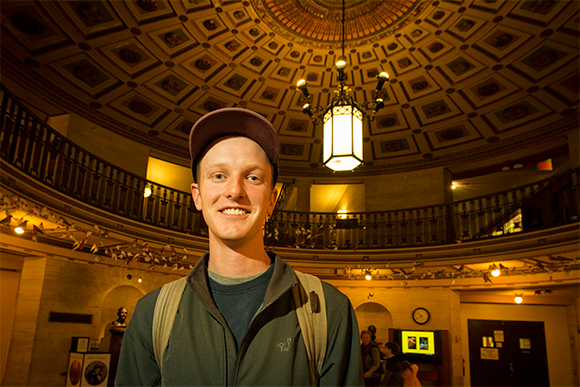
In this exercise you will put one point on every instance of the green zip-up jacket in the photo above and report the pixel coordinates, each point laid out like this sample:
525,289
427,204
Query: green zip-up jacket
202,349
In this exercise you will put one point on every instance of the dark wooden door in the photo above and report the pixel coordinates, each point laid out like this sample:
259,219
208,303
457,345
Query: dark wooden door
507,353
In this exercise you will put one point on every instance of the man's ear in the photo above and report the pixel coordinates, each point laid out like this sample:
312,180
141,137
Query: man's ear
196,195
272,203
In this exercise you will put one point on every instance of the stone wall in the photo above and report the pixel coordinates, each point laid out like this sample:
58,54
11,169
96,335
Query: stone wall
39,349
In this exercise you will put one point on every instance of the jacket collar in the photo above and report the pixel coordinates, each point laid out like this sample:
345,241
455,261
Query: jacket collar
283,279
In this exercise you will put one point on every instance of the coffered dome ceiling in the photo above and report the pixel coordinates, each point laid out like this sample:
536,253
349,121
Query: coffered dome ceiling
468,79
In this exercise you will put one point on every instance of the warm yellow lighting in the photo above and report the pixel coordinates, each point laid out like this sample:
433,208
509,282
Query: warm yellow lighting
495,273
140,279
341,63
518,299
368,277
300,82
343,137
341,214
453,185
19,230
147,192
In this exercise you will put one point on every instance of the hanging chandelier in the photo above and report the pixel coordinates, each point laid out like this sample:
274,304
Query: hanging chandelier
342,118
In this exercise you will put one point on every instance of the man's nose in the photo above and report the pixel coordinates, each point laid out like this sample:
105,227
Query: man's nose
235,187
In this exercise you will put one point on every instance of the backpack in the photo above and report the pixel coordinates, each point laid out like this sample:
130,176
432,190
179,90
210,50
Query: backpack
310,310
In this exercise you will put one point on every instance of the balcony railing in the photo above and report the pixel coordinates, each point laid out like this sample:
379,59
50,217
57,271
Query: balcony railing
40,152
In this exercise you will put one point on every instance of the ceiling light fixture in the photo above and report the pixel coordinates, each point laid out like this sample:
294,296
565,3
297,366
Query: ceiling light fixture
343,118
518,299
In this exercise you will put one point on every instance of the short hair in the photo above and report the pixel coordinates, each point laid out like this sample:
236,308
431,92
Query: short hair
394,347
364,332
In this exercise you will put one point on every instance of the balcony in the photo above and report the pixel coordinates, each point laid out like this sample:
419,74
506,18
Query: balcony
93,191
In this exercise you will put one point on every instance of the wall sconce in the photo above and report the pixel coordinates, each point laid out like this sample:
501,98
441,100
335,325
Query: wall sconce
147,192
140,279
495,270
20,227
368,274
341,214
518,299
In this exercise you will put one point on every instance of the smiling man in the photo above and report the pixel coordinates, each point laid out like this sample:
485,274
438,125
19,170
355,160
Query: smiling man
236,323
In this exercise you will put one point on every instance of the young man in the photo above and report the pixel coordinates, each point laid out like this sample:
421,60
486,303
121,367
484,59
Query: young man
236,323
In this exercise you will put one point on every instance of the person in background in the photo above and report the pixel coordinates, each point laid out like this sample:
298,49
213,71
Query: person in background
373,331
409,373
392,375
380,347
371,360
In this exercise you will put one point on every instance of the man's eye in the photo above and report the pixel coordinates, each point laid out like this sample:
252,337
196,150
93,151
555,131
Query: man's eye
218,176
254,178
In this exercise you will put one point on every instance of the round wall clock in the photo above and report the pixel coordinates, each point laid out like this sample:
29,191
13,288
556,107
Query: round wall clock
421,316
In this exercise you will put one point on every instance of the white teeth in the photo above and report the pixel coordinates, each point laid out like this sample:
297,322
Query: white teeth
234,211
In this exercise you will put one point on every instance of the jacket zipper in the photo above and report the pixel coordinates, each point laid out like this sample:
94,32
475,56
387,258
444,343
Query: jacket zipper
243,344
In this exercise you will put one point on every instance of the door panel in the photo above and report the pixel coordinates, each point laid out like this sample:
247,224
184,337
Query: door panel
507,353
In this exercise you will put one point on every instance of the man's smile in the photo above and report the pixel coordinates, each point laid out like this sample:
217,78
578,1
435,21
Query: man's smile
234,211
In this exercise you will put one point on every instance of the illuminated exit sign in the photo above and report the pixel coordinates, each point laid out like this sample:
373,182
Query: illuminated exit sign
545,165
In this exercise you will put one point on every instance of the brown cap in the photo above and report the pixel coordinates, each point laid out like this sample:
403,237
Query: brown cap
223,122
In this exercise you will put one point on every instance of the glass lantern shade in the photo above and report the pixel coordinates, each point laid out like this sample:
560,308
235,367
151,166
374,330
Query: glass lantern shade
343,136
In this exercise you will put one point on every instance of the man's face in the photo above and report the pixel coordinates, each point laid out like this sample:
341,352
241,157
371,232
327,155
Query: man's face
234,191
122,313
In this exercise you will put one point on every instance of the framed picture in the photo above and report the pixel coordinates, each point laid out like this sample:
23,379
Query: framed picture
74,370
80,344
96,369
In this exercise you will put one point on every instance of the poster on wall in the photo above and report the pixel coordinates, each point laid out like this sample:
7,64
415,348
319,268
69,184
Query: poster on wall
95,369
489,353
75,366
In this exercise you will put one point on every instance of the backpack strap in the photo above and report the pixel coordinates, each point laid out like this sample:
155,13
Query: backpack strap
311,313
164,316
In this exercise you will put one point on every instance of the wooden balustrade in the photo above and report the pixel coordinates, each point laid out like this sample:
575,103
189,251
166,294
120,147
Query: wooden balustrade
42,153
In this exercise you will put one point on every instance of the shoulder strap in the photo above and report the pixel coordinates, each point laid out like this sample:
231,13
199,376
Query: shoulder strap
311,312
164,315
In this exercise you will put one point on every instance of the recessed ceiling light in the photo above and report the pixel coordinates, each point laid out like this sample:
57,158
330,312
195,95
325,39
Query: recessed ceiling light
505,169
518,165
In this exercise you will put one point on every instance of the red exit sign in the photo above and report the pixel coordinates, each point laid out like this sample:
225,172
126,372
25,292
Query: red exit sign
545,165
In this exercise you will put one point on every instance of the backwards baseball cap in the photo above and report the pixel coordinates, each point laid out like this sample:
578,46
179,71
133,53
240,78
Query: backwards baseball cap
233,121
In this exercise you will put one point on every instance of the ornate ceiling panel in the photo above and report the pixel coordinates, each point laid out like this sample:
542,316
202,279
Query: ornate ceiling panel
468,79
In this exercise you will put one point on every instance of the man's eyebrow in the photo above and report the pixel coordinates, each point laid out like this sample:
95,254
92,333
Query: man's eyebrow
249,168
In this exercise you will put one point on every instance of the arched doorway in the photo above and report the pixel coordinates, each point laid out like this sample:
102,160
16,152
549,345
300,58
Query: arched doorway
121,296
372,313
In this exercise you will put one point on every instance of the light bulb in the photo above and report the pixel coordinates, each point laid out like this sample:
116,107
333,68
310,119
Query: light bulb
518,299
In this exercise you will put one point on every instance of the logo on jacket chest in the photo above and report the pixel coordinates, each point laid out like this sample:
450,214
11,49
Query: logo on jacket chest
286,346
